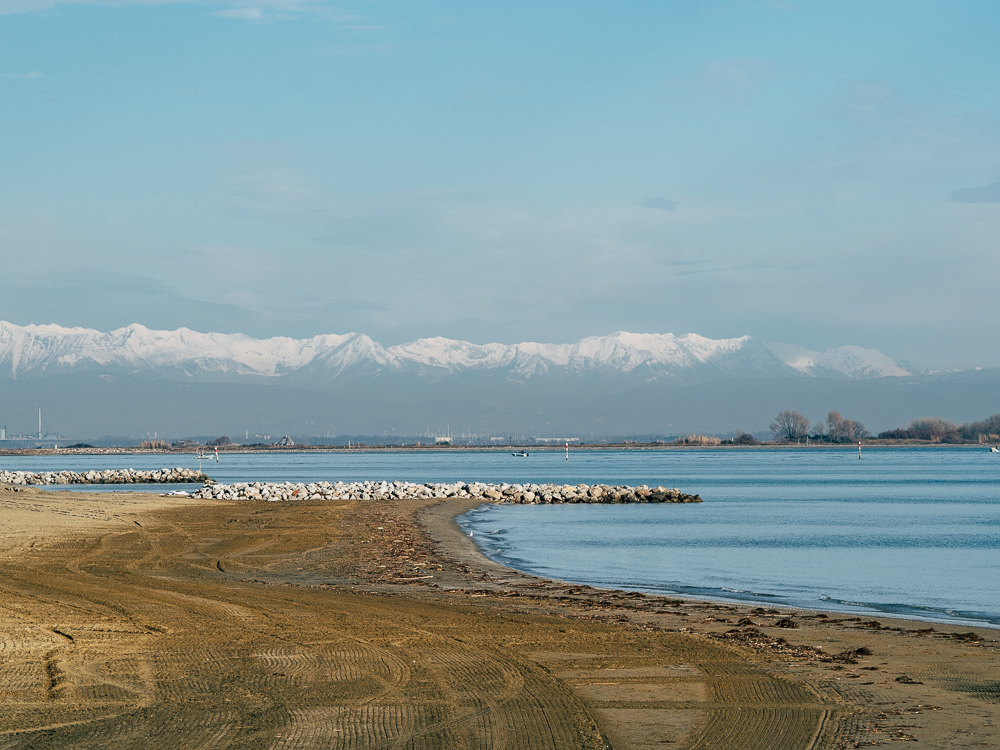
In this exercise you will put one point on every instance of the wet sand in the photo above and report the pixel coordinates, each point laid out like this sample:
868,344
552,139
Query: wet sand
132,620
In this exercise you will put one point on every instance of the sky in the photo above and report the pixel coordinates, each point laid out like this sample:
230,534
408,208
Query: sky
817,173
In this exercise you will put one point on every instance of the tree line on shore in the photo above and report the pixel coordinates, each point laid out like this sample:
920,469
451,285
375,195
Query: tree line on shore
791,426
937,430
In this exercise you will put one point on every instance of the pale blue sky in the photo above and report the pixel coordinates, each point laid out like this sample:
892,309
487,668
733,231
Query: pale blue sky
819,173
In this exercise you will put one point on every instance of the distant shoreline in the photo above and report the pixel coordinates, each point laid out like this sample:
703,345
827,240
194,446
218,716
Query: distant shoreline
516,447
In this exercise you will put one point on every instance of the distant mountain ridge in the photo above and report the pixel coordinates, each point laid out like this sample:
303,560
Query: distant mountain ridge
137,381
41,350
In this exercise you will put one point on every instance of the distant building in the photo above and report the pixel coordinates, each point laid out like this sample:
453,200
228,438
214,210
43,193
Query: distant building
285,441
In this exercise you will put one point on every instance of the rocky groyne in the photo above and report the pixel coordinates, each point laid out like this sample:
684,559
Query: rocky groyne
525,494
108,476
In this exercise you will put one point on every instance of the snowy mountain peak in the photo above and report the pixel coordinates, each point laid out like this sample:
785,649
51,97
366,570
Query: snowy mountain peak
36,350
855,362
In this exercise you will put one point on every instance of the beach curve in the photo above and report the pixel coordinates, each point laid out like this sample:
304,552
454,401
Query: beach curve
348,624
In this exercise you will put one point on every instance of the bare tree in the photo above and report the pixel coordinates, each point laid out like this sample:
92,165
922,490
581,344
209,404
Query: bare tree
834,425
841,430
993,424
932,425
935,429
851,431
789,425
744,438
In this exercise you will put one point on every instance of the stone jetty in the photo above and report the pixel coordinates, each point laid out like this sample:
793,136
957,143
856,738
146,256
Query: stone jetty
108,476
523,494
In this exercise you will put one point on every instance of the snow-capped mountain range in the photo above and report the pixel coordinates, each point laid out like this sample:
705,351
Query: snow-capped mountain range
38,350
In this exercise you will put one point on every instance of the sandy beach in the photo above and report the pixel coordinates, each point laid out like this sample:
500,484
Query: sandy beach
134,620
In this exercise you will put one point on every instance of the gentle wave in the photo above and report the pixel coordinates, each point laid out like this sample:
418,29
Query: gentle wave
750,596
916,612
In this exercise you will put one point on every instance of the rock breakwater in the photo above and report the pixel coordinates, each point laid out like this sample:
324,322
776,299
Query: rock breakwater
524,494
107,476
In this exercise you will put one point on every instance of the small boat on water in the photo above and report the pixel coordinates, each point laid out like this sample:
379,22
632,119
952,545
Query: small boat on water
521,453
994,449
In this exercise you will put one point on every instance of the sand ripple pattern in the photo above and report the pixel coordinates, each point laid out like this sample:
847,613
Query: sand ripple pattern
138,637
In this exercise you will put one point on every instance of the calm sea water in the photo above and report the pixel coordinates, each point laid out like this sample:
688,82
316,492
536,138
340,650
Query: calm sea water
909,532
902,532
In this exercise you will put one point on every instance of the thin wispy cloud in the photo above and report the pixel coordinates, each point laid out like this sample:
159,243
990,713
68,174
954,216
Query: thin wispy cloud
388,48
246,14
883,140
661,203
730,81
11,7
271,190
285,10
264,10
982,194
